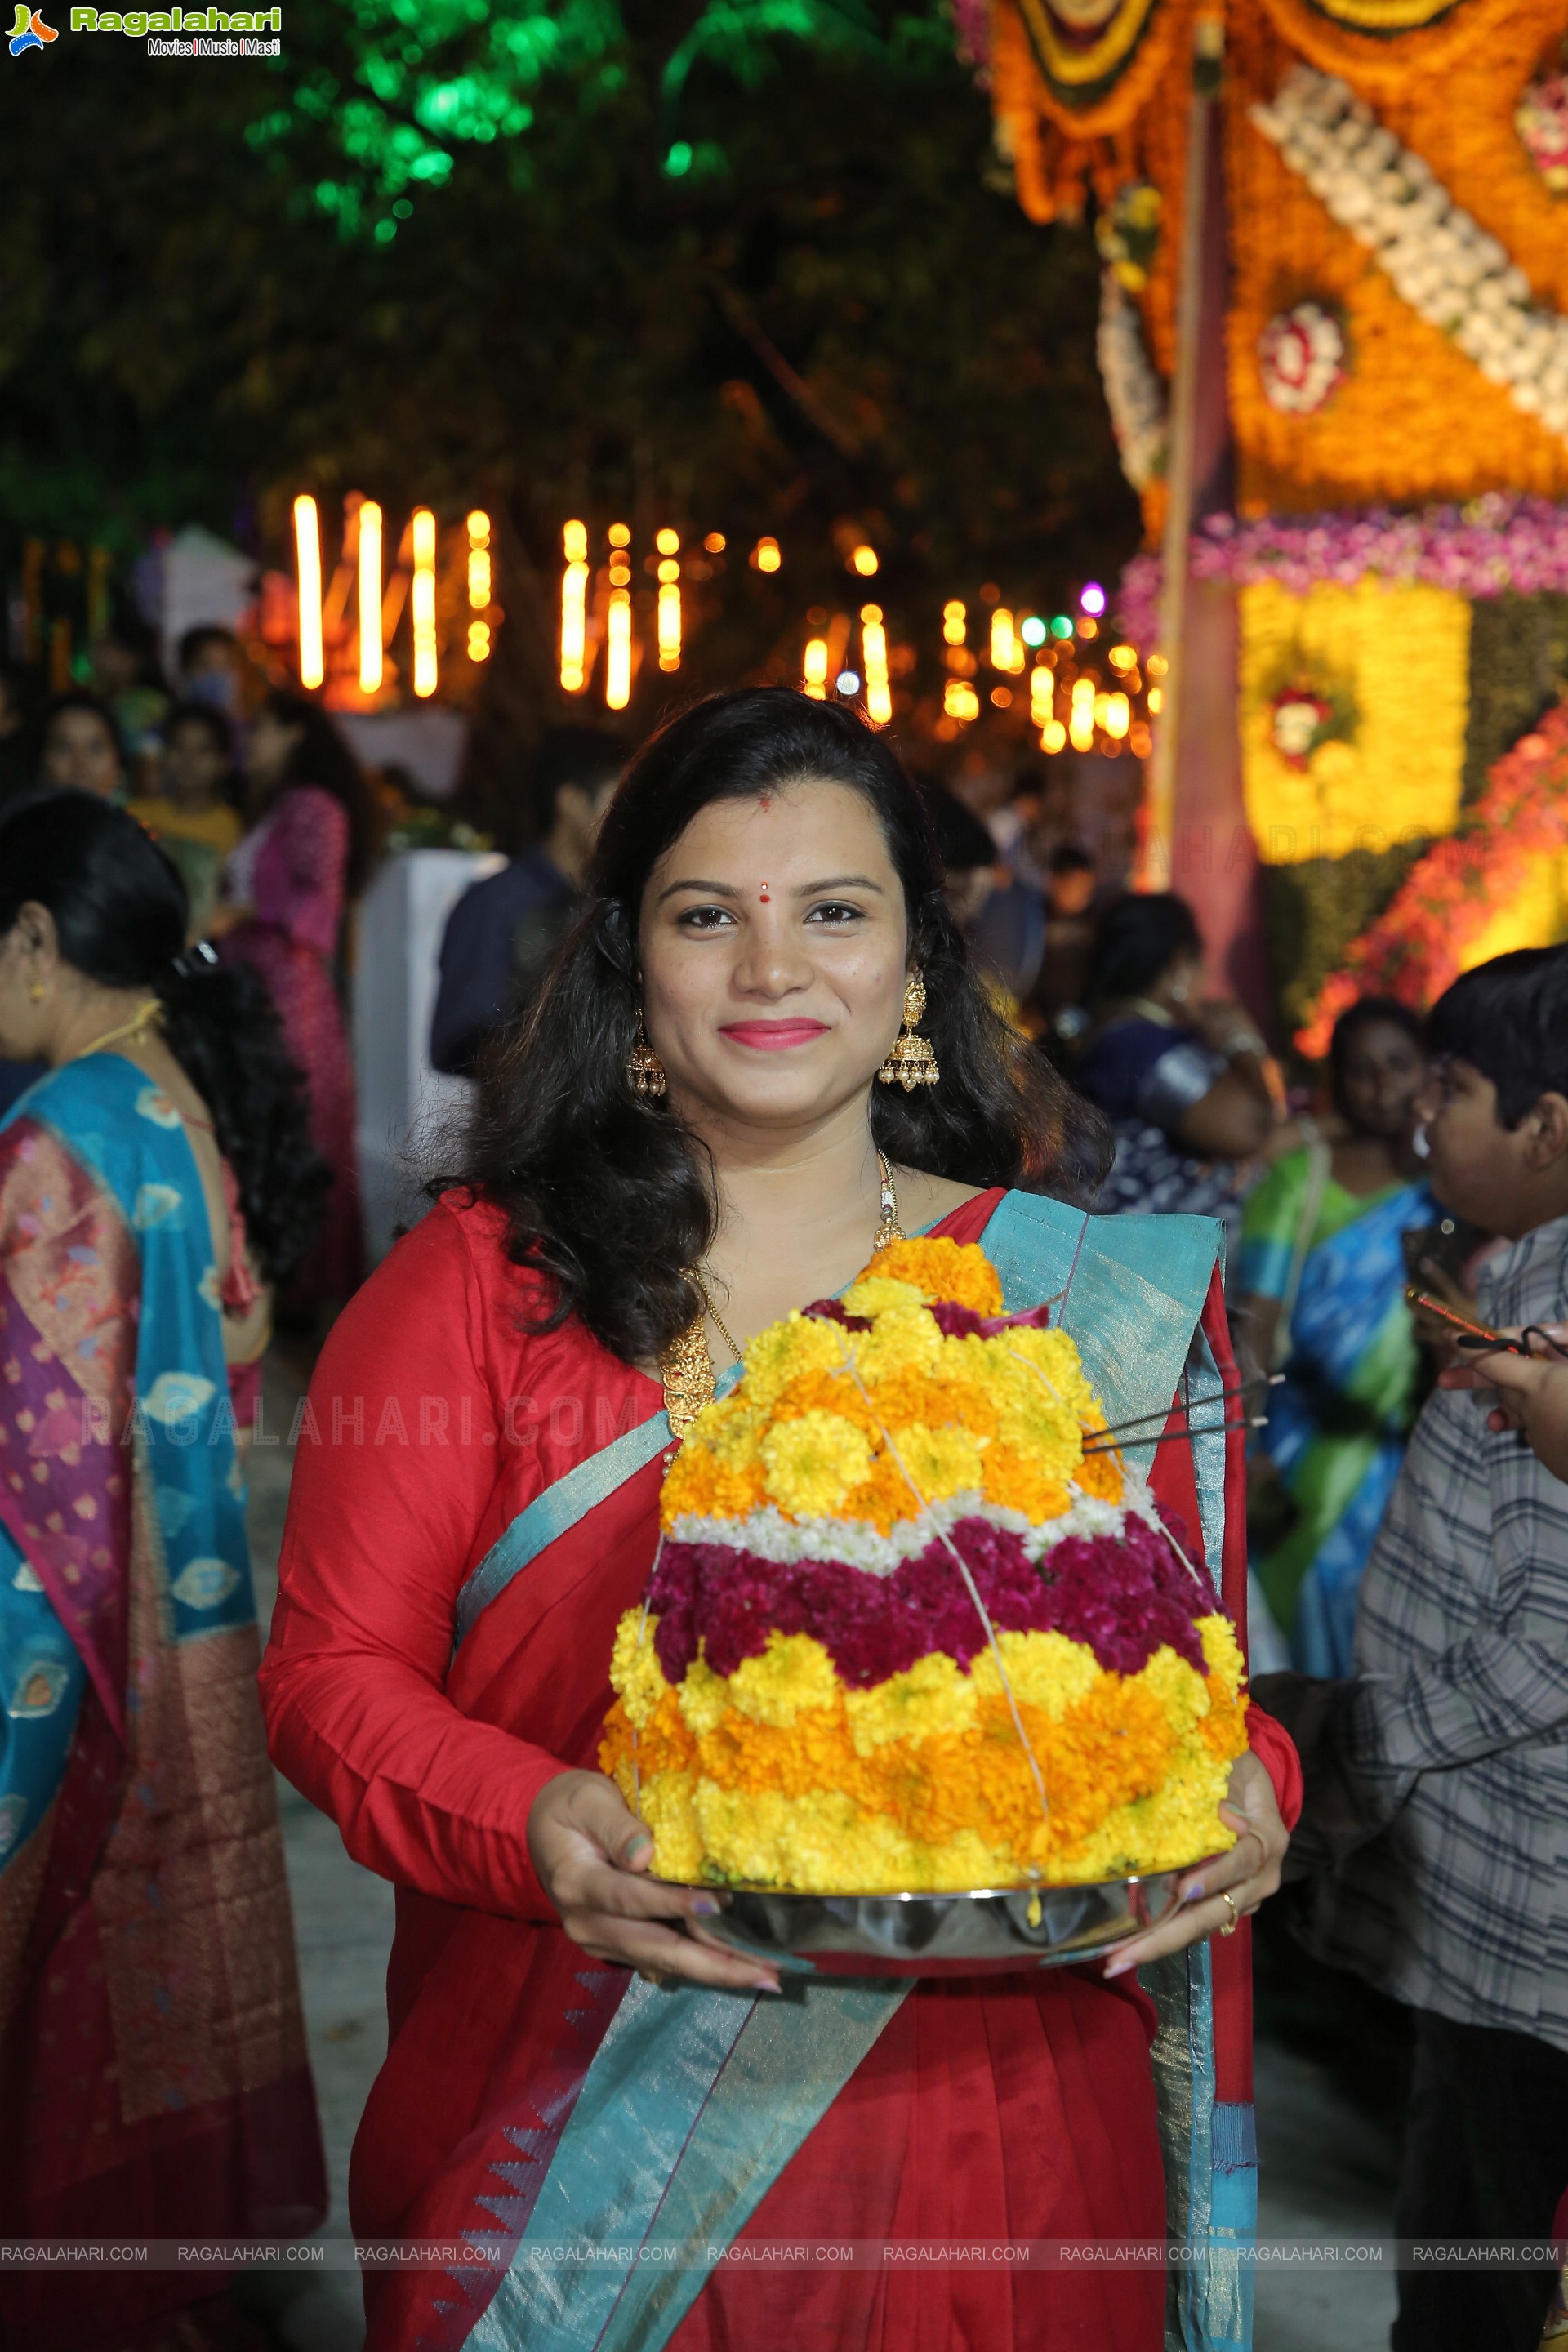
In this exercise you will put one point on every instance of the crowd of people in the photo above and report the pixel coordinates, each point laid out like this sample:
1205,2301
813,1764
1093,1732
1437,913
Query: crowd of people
255,798
177,1168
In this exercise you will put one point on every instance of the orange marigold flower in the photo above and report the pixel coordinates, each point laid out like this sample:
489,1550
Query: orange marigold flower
1099,1474
1017,1484
662,1746
942,1269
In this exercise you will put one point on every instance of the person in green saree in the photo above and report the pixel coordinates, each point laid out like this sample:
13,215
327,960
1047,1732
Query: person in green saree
1322,1283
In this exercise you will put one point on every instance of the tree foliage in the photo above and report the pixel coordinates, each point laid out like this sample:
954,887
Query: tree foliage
742,264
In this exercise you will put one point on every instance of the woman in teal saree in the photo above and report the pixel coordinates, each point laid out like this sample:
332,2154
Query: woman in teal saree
608,2113
1321,1282
153,2070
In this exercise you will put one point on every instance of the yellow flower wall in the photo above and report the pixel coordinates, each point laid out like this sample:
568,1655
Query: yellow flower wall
1402,653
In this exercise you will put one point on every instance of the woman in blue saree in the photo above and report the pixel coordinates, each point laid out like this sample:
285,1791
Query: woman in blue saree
688,1141
153,2070
1321,1282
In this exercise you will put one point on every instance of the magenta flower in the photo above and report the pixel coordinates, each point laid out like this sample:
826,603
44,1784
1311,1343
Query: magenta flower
1123,1596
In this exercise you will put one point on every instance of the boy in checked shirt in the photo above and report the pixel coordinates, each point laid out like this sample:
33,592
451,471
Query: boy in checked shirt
1438,1779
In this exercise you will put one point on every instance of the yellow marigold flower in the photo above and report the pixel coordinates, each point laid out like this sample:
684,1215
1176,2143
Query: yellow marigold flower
636,1675
809,1466
933,1695
1180,1690
671,1814
902,1340
874,1294
733,1441
940,1268
818,1842
795,1672
1054,1360
784,1351
942,1462
704,1698
1222,1651
1048,1671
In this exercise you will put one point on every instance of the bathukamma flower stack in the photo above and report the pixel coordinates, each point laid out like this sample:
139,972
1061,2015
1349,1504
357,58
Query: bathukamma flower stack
810,1696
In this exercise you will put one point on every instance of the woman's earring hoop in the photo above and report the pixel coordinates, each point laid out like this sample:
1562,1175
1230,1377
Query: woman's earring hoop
912,1062
644,1068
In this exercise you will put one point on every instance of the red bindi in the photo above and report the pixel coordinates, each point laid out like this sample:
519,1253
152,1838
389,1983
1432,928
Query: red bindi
764,893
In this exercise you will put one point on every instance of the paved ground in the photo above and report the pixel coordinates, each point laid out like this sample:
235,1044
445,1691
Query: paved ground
1327,2169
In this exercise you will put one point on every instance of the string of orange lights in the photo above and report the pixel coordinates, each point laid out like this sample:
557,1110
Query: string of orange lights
1074,693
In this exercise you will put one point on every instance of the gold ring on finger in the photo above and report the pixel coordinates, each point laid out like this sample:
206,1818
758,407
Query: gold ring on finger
655,1975
1234,1922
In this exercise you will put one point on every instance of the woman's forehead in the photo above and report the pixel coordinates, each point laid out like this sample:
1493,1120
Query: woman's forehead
793,824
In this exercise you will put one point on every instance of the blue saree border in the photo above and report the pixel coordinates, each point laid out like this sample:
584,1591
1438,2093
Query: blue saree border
694,2104
557,1510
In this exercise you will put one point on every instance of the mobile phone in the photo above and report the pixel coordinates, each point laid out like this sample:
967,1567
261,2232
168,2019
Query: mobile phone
1450,1244
1472,1334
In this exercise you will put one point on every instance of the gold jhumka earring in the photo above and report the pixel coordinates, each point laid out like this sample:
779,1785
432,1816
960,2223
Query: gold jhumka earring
912,1062
644,1068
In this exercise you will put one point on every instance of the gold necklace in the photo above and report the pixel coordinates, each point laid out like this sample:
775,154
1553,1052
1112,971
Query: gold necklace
686,1366
147,1016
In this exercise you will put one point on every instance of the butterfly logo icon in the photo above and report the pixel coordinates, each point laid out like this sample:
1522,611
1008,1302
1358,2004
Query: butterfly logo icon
29,31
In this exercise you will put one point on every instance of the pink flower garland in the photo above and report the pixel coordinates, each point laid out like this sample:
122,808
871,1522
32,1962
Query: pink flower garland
1417,944
1496,545
1123,1596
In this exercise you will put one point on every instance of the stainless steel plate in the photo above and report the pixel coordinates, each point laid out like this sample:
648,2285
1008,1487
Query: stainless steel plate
941,1935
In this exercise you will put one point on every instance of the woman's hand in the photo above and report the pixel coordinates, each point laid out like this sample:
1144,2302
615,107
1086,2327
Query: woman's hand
1248,1874
592,1855
1533,1395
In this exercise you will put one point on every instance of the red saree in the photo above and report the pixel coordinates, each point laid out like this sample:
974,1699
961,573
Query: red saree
1019,2107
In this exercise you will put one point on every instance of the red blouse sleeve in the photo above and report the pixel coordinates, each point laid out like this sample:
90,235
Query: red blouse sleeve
378,1540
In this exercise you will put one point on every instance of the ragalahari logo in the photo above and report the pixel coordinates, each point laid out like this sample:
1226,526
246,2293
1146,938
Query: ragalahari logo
29,31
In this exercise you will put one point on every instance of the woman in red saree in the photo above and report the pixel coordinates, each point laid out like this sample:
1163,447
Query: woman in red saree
693,1120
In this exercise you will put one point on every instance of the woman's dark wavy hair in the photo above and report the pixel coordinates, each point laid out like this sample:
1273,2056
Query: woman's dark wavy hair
322,757
606,1193
120,914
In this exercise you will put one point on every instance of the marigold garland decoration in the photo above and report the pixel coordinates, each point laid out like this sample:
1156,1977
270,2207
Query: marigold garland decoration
1416,420
810,1697
1442,920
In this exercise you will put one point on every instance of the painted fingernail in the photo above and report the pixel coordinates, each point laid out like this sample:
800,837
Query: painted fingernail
1117,1967
639,1845
704,1906
765,1984
1194,1893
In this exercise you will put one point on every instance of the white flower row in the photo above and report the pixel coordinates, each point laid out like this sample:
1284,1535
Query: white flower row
1133,392
770,1536
1440,260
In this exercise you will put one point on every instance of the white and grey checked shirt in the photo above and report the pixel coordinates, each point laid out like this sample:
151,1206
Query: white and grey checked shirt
1461,1904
